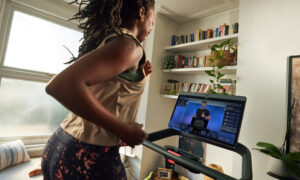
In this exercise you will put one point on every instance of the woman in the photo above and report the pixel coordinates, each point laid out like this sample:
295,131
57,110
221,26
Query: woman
102,89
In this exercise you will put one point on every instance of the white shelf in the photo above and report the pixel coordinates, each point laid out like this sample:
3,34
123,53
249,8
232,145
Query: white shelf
201,70
169,96
200,45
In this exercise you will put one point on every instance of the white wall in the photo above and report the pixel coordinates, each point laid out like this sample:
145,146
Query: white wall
158,109
269,33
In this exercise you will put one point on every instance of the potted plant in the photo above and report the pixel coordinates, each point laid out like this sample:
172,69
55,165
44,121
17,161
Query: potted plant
224,53
220,57
169,62
281,161
216,86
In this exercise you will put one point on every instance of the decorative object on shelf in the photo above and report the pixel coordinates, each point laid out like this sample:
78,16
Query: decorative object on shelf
221,53
284,159
169,62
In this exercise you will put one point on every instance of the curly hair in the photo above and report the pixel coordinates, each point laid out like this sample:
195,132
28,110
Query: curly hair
99,18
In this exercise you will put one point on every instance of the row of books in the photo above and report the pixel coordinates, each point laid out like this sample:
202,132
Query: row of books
222,30
192,61
173,87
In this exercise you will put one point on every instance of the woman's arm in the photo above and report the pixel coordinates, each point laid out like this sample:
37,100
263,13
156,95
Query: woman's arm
71,86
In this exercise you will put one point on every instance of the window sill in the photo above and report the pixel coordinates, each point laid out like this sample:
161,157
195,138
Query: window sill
21,171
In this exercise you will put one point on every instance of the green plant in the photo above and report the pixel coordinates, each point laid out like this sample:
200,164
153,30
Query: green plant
216,75
215,72
291,160
220,48
169,62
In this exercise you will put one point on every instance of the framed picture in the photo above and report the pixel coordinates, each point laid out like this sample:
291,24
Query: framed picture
293,138
163,173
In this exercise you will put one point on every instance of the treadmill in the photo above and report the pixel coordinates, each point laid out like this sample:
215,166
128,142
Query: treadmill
225,114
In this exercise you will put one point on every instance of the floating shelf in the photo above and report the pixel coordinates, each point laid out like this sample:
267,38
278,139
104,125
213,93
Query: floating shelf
200,45
201,70
169,96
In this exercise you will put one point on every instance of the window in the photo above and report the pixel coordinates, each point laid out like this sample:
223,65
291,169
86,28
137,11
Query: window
33,50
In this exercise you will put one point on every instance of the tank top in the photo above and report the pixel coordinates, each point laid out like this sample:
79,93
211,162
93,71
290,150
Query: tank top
118,95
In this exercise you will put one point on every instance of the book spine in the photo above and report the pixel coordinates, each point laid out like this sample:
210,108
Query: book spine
173,42
226,30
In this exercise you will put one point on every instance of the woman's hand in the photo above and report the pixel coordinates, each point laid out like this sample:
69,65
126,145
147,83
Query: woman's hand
147,68
132,134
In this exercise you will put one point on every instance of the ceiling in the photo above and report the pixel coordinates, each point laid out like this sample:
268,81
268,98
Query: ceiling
184,11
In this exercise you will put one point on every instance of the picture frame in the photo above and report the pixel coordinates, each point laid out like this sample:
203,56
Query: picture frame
164,174
293,115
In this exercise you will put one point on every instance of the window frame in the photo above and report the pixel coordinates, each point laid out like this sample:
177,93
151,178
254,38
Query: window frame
7,8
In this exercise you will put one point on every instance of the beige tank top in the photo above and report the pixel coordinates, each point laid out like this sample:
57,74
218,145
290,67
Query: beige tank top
119,96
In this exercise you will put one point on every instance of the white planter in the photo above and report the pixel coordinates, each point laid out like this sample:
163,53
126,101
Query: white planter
278,168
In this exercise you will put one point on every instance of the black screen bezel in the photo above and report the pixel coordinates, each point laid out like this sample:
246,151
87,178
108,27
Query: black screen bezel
214,97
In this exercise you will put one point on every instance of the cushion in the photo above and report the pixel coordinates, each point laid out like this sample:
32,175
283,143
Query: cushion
12,153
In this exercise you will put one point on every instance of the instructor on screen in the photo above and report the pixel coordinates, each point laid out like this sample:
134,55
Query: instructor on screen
201,118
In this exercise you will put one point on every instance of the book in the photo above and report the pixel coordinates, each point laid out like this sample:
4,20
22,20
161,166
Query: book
199,34
224,80
193,87
201,61
206,88
217,32
226,30
210,33
199,87
195,61
207,63
173,41
236,28
202,90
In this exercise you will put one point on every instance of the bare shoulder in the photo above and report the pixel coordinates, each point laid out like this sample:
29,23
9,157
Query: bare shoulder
124,48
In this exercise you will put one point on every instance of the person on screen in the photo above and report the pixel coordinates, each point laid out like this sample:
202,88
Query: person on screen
201,118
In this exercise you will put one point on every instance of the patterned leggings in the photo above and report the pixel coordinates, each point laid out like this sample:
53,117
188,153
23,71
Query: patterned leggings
65,157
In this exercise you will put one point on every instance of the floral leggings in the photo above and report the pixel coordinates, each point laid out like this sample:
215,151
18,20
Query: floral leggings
65,157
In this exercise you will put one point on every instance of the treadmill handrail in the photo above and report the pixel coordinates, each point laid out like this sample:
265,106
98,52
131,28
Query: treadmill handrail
196,166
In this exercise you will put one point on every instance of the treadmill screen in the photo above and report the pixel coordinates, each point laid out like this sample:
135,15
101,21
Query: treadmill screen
215,120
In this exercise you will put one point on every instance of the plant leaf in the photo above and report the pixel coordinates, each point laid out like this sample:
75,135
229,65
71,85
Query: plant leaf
225,42
220,75
211,81
220,86
211,91
269,147
210,73
293,156
220,67
292,166
268,153
215,47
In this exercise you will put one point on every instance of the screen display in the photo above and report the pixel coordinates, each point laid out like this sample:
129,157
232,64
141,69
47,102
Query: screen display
212,119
